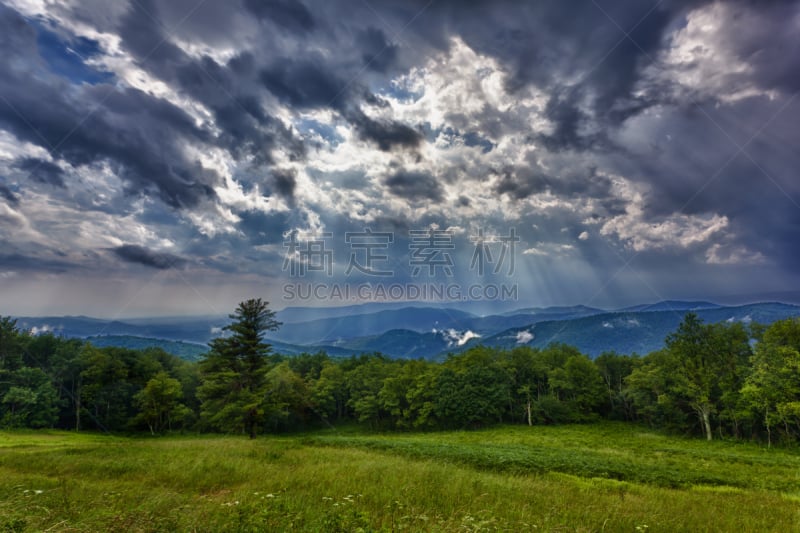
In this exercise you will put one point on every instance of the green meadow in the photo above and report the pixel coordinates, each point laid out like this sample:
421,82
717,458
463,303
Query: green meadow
599,477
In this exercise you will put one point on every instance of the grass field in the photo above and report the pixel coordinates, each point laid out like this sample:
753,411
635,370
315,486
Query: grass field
605,477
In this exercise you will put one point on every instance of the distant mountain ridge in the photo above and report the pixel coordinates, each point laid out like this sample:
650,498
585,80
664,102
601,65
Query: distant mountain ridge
623,332
185,350
630,332
422,331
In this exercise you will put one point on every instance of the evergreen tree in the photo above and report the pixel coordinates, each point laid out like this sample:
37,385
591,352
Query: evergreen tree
234,386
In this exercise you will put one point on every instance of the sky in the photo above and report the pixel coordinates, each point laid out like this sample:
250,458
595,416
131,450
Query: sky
177,157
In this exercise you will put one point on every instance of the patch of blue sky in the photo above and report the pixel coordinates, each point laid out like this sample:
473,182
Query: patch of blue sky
470,138
308,127
67,57
401,93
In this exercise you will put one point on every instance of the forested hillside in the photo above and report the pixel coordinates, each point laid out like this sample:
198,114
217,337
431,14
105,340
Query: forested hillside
713,380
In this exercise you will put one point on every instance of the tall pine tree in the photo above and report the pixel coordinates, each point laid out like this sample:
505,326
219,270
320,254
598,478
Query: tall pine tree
234,386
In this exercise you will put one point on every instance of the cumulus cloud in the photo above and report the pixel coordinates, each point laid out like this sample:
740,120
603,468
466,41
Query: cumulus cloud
676,230
668,130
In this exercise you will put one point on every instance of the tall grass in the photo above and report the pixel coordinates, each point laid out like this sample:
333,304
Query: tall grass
495,480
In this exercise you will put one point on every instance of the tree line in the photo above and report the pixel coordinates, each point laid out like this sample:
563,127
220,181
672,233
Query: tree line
725,380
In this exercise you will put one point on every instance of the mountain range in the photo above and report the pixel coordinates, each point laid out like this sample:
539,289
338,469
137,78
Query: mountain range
430,332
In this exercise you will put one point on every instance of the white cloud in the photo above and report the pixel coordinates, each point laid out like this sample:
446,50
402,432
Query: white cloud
677,230
44,328
703,57
719,254
524,336
456,338
549,249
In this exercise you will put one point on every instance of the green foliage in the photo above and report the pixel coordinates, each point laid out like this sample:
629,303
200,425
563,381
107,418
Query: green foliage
700,372
614,368
159,403
712,379
772,389
471,397
234,388
31,401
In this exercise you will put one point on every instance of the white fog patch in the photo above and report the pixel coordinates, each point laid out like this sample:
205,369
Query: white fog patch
524,336
745,319
456,338
44,328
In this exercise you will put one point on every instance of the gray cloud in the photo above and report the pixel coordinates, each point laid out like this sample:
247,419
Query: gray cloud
41,171
137,133
285,183
8,194
414,186
386,134
378,53
587,125
289,14
305,83
30,263
143,256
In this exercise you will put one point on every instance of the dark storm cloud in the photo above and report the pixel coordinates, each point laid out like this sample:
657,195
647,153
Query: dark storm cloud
41,171
28,263
143,256
764,39
135,132
9,195
568,118
562,180
378,53
305,83
387,135
414,186
285,182
344,57
227,90
519,183
289,14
